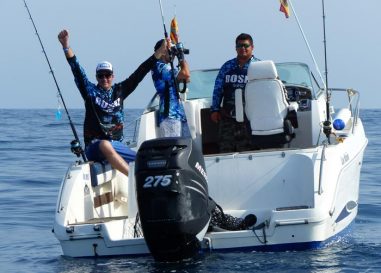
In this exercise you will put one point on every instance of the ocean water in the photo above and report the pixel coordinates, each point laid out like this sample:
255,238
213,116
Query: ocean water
35,153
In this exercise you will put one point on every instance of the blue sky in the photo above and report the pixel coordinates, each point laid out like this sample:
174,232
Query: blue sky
124,33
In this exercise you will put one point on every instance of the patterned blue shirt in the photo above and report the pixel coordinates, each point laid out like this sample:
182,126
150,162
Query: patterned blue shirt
169,105
104,109
229,78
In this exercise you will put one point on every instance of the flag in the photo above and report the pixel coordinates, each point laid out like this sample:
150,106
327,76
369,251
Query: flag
174,31
284,8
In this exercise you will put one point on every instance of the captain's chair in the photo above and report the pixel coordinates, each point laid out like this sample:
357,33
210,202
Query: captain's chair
265,107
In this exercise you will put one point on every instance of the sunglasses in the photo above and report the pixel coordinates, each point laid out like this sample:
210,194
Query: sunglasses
243,45
104,75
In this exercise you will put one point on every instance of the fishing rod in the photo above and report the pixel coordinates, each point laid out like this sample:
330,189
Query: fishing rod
325,48
75,144
162,19
170,54
327,123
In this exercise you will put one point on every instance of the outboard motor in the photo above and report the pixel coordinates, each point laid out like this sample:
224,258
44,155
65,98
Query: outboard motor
172,195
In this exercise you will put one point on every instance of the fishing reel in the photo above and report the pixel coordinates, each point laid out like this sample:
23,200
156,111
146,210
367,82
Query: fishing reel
76,148
179,51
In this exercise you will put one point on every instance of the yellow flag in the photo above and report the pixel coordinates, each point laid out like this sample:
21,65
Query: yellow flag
284,8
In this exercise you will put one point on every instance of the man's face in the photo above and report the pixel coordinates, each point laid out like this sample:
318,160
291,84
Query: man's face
166,58
105,78
244,49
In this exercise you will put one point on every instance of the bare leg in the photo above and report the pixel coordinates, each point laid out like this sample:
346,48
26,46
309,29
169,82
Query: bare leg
113,157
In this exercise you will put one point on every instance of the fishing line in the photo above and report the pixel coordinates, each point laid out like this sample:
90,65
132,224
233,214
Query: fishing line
75,144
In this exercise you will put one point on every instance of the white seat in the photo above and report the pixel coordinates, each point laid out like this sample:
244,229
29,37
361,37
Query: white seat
265,103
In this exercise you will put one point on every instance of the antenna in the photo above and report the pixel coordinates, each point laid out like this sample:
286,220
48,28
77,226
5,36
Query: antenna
327,129
307,44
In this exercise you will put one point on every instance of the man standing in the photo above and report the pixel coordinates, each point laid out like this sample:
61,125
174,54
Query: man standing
103,125
172,119
232,75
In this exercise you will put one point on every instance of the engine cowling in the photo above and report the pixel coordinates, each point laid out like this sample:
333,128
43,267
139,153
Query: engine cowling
172,195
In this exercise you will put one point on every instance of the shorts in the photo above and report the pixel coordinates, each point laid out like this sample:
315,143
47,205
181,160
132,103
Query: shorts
93,152
233,136
174,128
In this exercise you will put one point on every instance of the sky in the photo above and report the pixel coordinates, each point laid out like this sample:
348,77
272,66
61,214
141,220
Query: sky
124,33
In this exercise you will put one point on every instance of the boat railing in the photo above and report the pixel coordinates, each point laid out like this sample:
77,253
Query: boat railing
132,140
353,97
322,159
353,105
136,130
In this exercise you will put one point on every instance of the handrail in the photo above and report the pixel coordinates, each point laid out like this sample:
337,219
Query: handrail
322,159
354,101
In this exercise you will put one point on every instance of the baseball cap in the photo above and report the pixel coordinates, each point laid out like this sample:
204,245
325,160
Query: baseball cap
104,66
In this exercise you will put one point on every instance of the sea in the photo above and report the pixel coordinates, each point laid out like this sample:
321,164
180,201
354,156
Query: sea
35,154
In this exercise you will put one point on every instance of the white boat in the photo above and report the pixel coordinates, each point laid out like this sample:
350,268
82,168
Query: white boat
295,187
304,193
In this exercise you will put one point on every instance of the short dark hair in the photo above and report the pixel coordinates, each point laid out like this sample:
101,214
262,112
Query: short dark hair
244,36
158,44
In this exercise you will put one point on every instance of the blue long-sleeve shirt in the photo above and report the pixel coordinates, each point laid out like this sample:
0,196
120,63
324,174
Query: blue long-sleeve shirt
230,77
104,109
169,105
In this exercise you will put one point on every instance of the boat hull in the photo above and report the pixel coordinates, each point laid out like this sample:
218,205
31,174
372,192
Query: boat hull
318,210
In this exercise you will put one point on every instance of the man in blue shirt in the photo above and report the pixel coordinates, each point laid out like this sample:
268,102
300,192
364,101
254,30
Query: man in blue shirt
103,126
233,135
172,119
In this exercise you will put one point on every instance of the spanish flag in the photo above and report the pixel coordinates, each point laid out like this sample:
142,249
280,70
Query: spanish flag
284,8
174,31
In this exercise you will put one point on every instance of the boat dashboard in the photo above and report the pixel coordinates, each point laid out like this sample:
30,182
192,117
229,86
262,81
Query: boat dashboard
300,94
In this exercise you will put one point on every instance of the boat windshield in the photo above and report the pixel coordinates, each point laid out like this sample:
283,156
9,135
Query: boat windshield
202,81
295,74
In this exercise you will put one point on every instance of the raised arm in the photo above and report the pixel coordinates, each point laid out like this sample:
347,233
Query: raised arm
184,73
129,85
80,77
63,37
